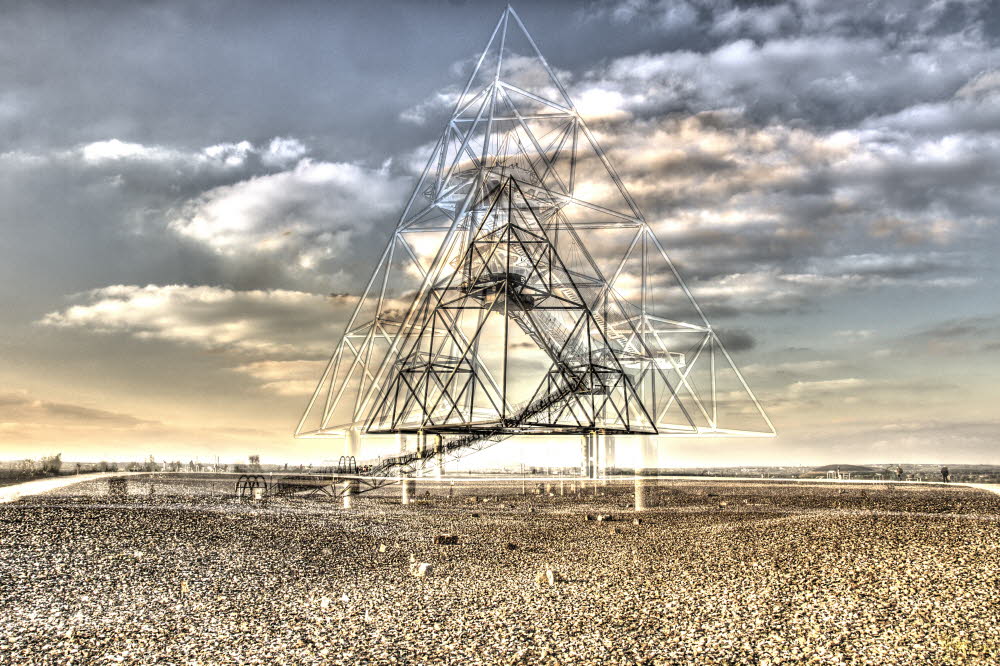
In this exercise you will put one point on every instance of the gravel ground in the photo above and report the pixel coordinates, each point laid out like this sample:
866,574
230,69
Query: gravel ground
715,572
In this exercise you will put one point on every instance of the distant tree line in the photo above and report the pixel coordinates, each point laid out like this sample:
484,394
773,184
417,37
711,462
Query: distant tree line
27,469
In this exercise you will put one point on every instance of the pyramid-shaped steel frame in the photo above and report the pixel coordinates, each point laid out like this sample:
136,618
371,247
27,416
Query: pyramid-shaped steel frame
520,219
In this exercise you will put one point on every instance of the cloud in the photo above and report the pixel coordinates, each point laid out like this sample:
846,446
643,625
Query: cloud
786,216
985,86
113,149
260,323
796,127
854,334
793,367
653,14
233,212
22,159
973,109
952,441
736,340
22,411
293,378
308,218
279,153
772,219
823,81
786,153
907,23
873,392
231,155
775,160
958,336
283,151
718,172
772,291
597,103
758,22
885,265
31,426
822,386
435,107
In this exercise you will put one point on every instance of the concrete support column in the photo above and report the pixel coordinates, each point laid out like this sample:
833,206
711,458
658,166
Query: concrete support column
408,486
647,460
604,451
439,454
348,490
408,490
352,442
640,492
421,451
648,451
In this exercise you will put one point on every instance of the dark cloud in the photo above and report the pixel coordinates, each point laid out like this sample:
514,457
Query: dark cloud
100,416
823,64
736,340
961,336
21,408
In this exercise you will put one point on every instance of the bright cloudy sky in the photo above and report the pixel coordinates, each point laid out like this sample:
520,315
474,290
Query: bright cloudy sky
193,193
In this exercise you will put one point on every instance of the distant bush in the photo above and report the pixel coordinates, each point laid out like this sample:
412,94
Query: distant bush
25,470
51,465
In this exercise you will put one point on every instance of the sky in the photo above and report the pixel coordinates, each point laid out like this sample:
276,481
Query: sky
194,193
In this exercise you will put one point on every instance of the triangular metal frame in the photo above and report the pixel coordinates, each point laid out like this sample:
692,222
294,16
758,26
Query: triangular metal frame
526,140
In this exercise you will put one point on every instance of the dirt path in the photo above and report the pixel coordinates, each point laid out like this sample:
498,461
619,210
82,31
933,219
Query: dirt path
19,490
992,487
13,492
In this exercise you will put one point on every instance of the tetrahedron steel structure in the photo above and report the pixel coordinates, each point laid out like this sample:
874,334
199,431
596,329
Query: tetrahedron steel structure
522,291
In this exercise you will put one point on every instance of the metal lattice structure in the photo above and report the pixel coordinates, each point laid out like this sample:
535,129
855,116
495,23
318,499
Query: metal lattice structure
522,292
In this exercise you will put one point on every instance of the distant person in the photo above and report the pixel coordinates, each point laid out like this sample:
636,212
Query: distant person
944,474
899,473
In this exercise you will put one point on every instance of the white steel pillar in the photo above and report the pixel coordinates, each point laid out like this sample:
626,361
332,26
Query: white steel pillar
590,465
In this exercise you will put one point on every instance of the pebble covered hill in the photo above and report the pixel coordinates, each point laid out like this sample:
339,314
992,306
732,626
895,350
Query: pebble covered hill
714,572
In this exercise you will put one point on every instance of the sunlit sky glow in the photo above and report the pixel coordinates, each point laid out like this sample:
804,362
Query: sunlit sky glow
194,192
